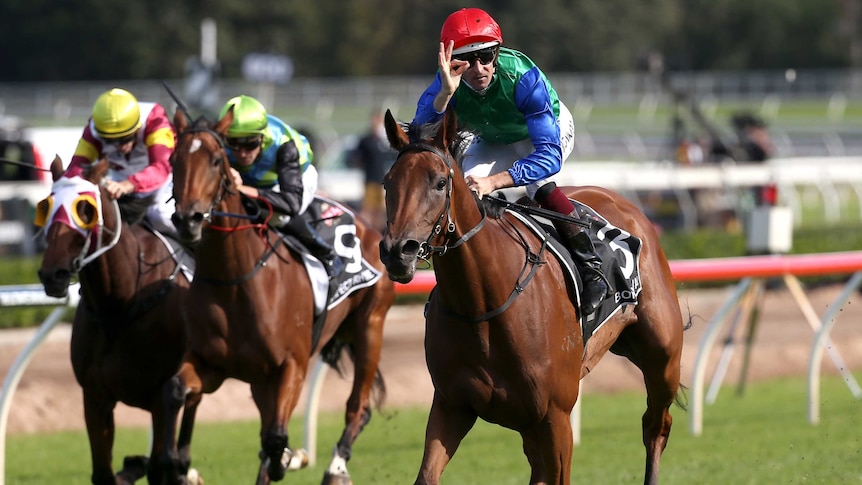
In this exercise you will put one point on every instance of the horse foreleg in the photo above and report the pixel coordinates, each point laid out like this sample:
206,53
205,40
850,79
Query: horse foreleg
446,427
548,447
275,399
99,418
185,385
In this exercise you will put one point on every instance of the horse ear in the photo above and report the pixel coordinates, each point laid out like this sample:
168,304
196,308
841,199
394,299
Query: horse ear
180,121
57,168
396,136
448,129
225,122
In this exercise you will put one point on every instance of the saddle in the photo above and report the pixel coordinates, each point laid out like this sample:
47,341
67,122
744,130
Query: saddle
336,224
619,251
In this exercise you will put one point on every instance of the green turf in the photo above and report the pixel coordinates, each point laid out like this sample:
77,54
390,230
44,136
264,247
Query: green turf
760,438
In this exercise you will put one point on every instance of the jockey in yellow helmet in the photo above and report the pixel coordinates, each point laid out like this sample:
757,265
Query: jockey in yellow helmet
137,139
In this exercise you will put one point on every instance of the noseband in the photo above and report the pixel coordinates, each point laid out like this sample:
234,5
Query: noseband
426,249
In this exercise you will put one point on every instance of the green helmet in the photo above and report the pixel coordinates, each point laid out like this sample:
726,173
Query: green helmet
249,117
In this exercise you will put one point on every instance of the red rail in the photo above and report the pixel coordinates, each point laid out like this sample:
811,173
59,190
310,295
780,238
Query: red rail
714,269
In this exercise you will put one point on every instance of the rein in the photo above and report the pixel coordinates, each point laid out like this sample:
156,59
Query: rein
223,190
262,227
427,250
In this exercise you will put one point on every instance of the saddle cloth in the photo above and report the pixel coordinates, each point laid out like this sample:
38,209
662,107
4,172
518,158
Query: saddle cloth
335,224
620,254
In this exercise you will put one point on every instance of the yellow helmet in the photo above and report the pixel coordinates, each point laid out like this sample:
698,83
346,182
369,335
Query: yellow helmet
249,117
116,114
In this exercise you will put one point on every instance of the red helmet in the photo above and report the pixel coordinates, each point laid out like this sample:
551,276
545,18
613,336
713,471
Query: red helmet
470,29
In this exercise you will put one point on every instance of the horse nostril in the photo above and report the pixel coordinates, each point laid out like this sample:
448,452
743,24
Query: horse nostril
197,217
410,247
56,275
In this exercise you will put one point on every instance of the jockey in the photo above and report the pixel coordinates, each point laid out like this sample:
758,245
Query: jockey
272,161
523,132
137,139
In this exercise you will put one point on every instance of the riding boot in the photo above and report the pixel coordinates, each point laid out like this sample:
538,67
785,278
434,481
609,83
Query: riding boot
316,245
590,265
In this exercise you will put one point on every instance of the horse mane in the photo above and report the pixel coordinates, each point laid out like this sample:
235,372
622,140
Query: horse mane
425,133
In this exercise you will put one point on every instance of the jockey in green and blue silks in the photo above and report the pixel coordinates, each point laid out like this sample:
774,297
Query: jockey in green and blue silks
523,133
272,161
497,115
281,170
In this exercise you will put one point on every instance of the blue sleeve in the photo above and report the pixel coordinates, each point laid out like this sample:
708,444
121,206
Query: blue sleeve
425,112
534,100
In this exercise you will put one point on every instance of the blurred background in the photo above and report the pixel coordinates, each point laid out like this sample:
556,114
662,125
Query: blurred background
699,111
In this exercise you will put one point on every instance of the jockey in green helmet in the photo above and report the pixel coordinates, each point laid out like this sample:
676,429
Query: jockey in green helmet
270,160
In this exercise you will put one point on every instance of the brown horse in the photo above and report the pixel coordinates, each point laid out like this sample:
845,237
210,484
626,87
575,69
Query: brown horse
127,338
508,347
251,310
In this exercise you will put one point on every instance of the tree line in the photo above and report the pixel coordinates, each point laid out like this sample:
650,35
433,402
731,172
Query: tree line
86,40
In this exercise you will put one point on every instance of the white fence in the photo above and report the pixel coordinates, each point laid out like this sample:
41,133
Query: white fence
27,295
636,180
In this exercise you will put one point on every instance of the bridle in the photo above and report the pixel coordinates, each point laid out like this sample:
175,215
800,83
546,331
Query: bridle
223,191
224,183
426,249
86,257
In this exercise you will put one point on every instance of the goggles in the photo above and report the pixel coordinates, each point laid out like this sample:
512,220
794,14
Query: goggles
484,56
244,143
120,141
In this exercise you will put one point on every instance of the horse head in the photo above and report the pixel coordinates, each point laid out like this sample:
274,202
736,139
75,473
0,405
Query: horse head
76,225
201,173
421,189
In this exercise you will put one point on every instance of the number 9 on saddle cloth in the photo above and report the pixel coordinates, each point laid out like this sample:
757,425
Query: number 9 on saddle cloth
325,236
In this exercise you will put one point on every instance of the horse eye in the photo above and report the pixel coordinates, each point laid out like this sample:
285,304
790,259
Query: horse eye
441,184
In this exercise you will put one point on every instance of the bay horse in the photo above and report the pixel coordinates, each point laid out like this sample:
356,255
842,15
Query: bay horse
251,308
506,347
127,338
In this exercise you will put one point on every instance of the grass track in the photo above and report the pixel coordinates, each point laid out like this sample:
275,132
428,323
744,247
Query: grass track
761,438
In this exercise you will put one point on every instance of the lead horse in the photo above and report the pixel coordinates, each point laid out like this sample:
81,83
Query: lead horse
250,313
127,337
506,347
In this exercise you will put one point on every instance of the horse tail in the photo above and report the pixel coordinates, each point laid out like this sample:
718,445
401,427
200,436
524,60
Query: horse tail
331,354
681,398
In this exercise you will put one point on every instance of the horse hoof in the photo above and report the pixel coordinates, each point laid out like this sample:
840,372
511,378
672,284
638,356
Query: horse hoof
333,479
134,468
294,460
193,477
